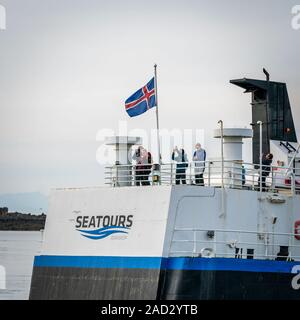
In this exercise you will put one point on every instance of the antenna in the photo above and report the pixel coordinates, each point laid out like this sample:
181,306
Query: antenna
267,74
267,100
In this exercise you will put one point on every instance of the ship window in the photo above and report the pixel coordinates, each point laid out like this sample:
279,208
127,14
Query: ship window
250,253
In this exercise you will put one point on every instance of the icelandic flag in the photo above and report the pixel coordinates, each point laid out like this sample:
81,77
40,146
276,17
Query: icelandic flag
142,100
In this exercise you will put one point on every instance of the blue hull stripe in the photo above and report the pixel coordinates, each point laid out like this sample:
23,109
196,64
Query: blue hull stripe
214,264
98,262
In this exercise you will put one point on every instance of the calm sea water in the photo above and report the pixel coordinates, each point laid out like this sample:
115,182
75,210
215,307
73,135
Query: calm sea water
17,251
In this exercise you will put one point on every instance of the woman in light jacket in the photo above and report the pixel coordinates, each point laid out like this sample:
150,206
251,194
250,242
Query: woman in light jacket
199,158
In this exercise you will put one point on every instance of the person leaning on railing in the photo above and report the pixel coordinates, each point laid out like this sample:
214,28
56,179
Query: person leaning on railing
182,163
265,170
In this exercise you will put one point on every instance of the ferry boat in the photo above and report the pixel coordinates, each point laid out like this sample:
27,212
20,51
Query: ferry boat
232,238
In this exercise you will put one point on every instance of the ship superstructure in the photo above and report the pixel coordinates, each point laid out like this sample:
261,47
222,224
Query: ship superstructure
228,239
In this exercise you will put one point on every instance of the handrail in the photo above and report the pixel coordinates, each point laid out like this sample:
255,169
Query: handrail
237,175
215,243
236,231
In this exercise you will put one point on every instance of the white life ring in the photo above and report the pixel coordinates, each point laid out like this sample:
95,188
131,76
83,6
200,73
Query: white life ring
207,253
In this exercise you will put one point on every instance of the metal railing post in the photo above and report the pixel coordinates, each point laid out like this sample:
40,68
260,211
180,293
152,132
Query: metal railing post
215,243
266,244
222,155
293,184
117,175
222,149
111,177
272,177
195,243
209,173
134,175
290,246
260,157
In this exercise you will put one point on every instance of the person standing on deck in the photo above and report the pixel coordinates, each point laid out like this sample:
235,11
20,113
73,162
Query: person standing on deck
182,162
199,157
265,170
147,167
139,169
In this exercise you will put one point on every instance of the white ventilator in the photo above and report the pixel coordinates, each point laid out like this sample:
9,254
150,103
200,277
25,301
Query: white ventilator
122,146
233,152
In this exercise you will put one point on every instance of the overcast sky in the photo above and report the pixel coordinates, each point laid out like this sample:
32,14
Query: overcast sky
67,66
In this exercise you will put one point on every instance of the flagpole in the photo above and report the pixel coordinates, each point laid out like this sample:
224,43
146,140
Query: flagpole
157,119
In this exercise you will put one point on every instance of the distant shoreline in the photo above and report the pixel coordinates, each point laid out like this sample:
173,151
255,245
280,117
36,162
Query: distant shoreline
21,231
15,221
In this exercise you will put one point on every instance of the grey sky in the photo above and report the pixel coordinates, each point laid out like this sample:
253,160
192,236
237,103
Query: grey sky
68,65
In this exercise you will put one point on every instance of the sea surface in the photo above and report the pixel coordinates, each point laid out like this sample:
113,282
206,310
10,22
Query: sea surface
17,251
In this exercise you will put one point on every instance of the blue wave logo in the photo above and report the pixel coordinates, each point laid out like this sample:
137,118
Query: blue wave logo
103,232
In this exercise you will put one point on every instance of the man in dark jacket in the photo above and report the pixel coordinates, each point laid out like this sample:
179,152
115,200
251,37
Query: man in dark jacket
182,163
265,170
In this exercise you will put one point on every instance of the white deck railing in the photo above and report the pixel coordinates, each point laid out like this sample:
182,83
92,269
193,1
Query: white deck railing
236,175
228,243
